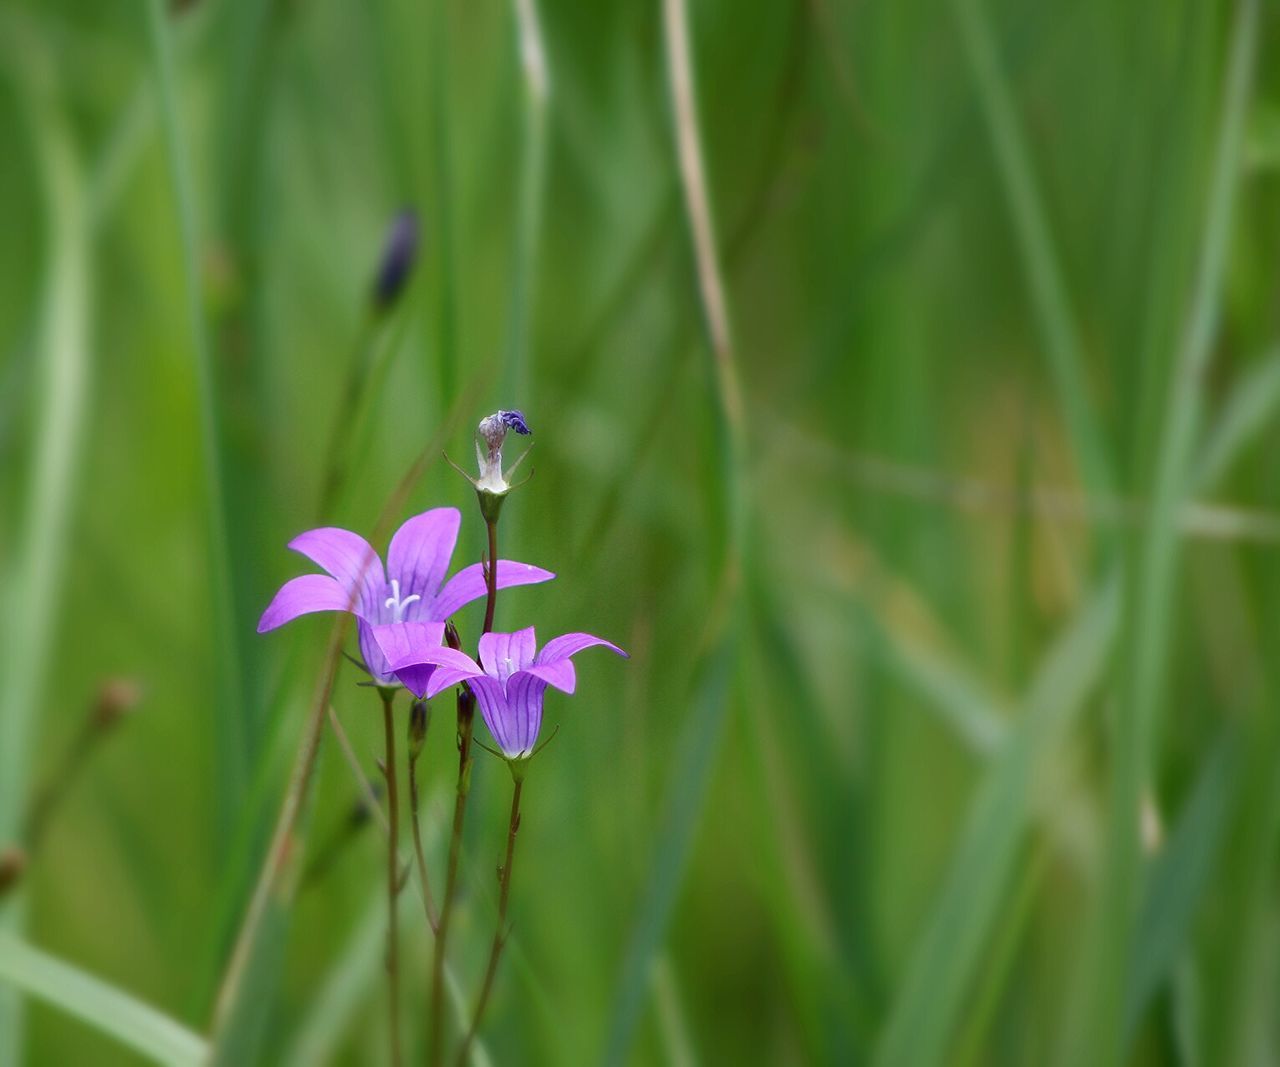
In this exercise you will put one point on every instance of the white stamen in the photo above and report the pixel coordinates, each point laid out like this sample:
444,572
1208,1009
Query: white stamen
397,605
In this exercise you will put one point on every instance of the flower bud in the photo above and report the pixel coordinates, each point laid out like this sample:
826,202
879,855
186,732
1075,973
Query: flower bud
116,698
13,861
398,257
419,720
451,637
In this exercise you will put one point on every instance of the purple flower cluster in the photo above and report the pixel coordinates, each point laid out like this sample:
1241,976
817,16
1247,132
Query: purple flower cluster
401,611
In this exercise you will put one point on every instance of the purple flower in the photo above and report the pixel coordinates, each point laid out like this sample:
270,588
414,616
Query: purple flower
509,681
400,609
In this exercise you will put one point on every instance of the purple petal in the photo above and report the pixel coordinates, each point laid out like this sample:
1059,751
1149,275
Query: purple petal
525,693
351,560
371,652
504,654
492,698
420,551
403,646
447,677
301,596
559,673
468,585
570,645
449,665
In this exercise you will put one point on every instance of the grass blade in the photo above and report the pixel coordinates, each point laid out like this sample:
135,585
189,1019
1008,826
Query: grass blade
1248,412
1035,242
951,949
532,178
689,783
1178,879
231,737
1155,571
102,1006
34,577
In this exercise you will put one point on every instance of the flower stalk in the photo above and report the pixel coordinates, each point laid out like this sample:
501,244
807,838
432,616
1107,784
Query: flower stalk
419,717
501,931
491,575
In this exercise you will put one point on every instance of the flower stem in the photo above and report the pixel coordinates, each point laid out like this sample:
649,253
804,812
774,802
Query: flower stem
500,932
466,718
491,577
427,902
393,876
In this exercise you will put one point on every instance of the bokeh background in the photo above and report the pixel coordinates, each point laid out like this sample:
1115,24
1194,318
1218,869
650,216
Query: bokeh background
945,550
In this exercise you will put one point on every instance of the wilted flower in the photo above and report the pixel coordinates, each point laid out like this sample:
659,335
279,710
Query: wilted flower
405,606
510,680
493,431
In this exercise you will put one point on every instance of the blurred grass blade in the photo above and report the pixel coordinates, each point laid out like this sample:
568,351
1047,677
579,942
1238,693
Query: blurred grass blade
532,179
689,781
1154,571
1177,881
1035,243
347,985
1001,957
954,942
827,981
676,1039
1249,411
34,576
230,732
102,1006
916,645
353,977
700,743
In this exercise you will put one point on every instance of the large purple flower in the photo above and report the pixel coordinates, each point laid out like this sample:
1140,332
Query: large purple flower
400,608
510,680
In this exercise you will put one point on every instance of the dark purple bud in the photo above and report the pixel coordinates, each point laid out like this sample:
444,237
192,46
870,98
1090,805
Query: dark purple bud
515,420
398,256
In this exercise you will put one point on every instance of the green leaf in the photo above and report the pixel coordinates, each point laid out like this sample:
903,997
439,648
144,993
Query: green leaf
104,1007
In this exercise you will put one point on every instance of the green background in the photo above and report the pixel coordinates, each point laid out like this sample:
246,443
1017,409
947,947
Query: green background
950,730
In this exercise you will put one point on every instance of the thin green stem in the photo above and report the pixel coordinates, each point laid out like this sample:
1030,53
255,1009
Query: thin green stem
427,902
491,578
500,931
55,787
393,875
